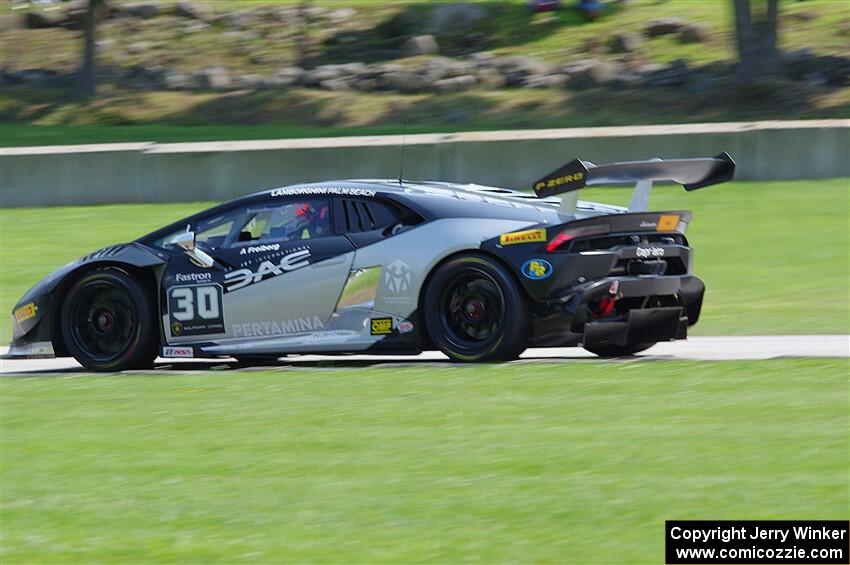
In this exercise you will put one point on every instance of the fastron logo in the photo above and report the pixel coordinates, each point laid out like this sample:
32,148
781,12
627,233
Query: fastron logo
193,277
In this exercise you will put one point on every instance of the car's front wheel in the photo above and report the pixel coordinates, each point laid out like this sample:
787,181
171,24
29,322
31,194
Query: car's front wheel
108,322
474,310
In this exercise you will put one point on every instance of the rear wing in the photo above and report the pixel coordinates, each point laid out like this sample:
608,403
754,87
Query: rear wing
690,173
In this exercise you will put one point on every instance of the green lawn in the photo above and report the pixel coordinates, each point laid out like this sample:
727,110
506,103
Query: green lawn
774,256
558,463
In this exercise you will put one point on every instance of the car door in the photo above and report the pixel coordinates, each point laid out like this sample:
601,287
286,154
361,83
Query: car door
280,268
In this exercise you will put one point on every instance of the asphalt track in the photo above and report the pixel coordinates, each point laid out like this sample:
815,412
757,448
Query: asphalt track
695,348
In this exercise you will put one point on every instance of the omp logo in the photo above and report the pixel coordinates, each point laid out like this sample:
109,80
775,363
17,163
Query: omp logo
644,252
382,326
193,277
398,277
243,277
528,236
260,248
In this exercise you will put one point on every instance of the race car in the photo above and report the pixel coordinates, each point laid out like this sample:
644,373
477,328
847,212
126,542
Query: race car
385,266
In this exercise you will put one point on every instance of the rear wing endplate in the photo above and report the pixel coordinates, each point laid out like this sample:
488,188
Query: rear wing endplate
690,173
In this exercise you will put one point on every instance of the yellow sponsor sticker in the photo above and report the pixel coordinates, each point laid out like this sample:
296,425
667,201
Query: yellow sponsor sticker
25,312
382,326
668,222
528,236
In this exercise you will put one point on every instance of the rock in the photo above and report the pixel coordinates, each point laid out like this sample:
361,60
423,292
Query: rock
250,81
191,10
240,35
196,27
454,84
215,78
43,20
556,80
491,79
816,70
179,81
140,10
482,58
674,74
454,18
624,42
593,72
314,77
336,84
342,15
693,33
442,67
663,26
367,84
517,69
356,70
287,76
403,81
421,45
139,47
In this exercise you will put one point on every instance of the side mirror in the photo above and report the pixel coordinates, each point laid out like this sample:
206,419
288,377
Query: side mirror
186,241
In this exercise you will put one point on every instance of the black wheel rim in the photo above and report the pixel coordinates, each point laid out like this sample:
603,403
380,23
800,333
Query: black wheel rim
103,320
472,310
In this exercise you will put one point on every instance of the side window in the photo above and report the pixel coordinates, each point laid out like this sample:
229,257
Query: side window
211,231
368,215
290,221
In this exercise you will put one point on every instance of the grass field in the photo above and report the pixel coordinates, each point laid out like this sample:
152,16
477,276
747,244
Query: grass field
560,463
774,256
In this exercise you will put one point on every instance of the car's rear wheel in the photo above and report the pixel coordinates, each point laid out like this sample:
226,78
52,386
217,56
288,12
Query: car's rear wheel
610,351
108,322
475,311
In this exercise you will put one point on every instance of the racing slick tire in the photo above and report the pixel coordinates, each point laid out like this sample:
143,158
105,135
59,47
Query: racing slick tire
610,351
474,310
108,322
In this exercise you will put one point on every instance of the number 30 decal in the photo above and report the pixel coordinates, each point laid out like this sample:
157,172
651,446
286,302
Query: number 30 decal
195,309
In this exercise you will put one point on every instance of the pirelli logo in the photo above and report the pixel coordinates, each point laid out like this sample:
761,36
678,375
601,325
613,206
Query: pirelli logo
559,181
528,236
25,312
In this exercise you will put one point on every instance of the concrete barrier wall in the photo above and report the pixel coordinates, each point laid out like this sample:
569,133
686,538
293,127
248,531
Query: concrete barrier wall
149,172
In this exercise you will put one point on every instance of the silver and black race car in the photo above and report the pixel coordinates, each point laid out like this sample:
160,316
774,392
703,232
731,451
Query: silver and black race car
385,266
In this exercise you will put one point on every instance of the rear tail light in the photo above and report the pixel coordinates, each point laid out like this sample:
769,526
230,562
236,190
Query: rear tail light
567,235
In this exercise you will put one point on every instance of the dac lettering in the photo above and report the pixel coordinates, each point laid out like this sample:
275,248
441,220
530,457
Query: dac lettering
243,277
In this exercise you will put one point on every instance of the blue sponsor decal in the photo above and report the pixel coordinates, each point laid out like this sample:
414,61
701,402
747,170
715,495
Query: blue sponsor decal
537,269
